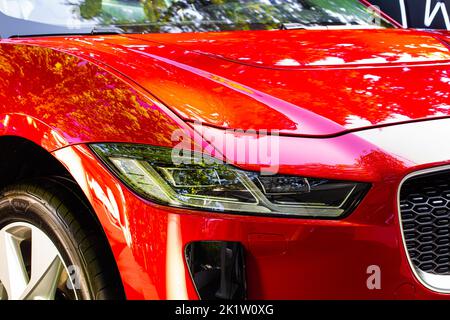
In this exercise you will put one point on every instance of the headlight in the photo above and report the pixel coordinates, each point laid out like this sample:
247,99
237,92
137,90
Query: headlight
160,175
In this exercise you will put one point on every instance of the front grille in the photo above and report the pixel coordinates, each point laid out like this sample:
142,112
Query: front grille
425,215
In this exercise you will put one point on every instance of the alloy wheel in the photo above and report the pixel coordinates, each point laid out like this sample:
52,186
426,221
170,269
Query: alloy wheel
31,267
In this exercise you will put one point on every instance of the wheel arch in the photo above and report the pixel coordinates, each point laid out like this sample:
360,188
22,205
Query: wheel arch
23,160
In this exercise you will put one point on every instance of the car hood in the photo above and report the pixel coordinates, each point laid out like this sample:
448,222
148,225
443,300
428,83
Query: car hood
290,50
300,82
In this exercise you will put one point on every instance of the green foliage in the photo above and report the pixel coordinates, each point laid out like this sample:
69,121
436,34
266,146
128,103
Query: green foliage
154,9
90,9
215,15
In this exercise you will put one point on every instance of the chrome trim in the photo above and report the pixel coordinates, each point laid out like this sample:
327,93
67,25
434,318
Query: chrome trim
434,282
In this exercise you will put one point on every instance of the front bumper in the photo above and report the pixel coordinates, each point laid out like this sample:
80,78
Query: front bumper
285,258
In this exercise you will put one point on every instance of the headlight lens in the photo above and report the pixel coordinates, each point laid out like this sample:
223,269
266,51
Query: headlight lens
163,176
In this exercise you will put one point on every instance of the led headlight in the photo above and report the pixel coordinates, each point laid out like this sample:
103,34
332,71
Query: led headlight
165,177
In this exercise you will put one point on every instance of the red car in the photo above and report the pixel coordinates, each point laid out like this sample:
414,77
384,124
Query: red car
208,149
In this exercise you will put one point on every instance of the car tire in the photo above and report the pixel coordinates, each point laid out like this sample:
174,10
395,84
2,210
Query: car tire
50,211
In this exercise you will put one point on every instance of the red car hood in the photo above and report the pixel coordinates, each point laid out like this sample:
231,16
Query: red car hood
299,82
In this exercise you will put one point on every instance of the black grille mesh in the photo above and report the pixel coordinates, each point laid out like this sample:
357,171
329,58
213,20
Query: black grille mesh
425,212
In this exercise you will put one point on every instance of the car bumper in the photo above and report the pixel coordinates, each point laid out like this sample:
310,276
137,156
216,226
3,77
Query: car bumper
284,258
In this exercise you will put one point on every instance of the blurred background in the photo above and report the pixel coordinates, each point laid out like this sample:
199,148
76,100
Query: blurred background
432,14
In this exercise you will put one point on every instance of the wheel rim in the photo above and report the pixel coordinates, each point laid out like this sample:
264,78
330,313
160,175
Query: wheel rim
31,267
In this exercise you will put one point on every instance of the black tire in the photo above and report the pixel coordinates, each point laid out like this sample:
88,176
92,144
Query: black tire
56,207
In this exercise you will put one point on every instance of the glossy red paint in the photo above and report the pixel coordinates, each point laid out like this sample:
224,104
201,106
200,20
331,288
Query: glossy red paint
318,88
301,82
286,258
